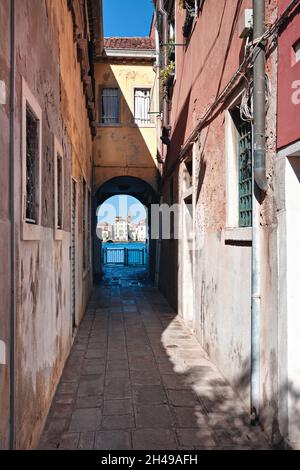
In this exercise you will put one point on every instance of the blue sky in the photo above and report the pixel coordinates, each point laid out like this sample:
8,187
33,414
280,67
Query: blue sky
127,17
120,206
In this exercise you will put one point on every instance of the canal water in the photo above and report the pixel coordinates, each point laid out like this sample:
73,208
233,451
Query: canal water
132,245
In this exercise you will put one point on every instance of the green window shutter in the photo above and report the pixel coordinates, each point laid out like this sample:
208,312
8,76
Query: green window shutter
245,175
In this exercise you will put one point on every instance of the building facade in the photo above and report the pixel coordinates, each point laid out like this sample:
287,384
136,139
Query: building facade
125,146
47,168
225,228
5,221
105,231
121,229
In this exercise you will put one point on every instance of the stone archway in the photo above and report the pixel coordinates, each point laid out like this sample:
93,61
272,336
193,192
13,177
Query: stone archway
131,186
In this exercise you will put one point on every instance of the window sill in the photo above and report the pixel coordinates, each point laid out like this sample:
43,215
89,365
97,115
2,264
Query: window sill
144,126
238,234
31,232
119,124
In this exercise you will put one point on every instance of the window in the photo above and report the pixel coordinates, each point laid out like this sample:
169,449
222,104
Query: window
239,170
245,175
58,187
110,106
31,164
142,98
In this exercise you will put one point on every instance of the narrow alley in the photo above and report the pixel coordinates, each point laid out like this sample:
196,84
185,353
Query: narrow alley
149,226
136,378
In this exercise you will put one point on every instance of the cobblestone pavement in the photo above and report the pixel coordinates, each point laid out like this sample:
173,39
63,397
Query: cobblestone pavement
137,378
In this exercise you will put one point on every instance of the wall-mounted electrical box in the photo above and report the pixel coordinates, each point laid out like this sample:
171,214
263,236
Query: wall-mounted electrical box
246,23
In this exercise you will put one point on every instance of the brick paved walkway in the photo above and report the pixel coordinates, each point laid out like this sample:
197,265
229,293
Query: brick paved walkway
136,378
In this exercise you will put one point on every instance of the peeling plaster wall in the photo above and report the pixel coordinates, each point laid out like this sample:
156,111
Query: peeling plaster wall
125,149
47,59
220,268
270,314
4,227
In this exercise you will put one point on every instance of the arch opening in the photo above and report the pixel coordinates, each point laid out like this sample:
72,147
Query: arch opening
122,226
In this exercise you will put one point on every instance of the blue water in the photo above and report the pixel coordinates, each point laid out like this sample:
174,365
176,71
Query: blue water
134,245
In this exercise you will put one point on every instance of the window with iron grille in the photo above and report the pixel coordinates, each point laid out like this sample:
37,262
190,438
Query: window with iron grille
32,155
242,141
245,174
142,100
110,106
59,191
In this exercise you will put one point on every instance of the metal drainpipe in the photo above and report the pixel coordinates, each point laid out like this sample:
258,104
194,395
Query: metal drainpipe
158,134
12,437
259,183
165,41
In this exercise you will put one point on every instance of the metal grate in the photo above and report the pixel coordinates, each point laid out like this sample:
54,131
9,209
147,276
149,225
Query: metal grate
142,98
32,147
245,175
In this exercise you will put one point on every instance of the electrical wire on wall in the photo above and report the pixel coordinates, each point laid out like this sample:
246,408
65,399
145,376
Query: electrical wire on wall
246,106
251,50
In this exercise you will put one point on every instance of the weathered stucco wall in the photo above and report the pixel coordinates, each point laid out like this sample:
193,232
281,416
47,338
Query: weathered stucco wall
47,59
125,149
218,271
5,271
287,178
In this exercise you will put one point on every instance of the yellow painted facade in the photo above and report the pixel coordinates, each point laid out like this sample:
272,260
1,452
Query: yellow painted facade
125,148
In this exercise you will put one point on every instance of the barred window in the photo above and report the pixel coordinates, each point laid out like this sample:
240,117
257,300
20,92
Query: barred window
110,106
142,100
244,167
32,155
245,174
